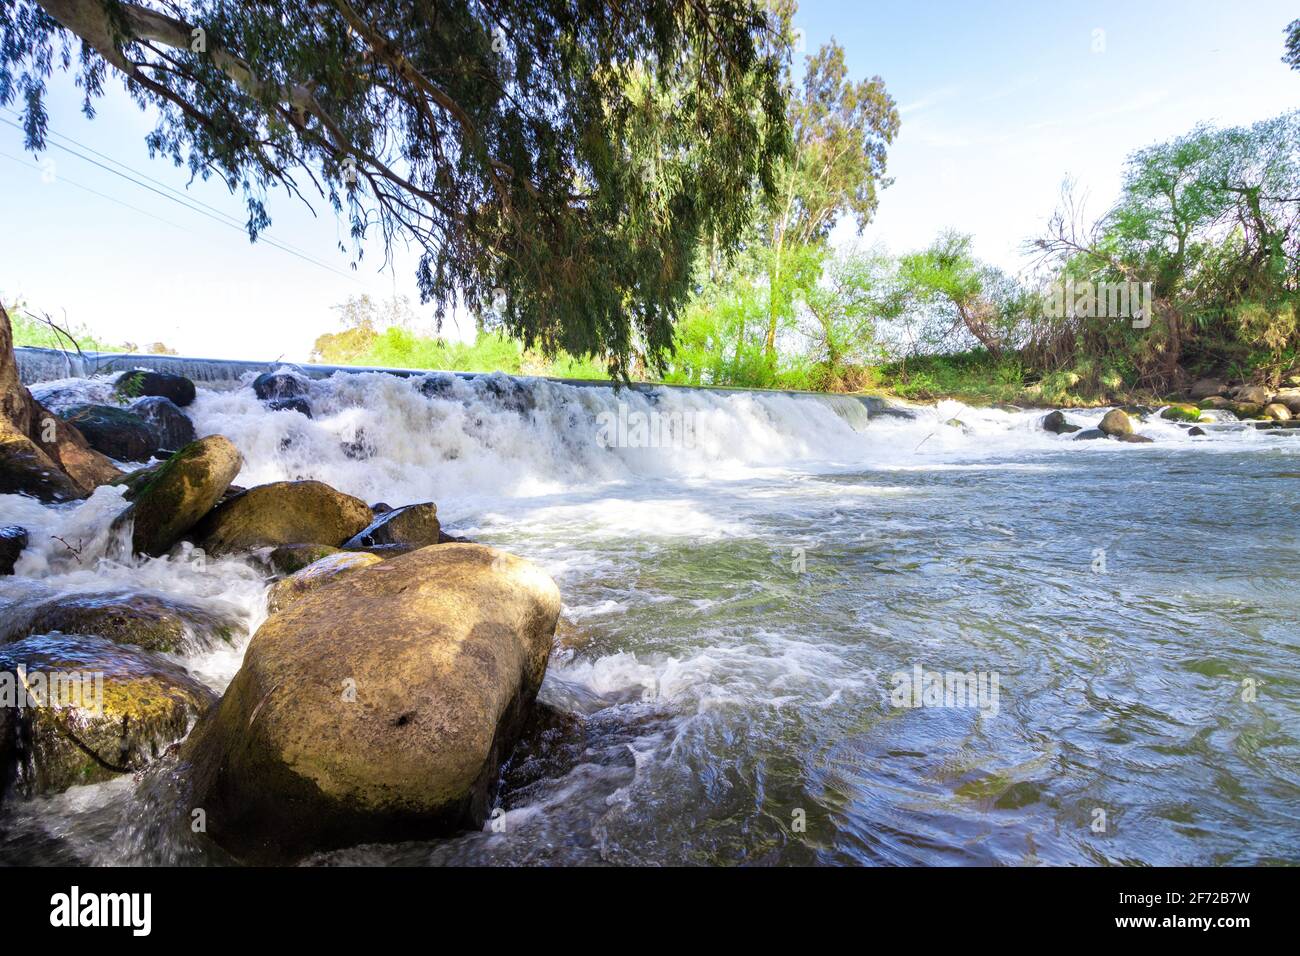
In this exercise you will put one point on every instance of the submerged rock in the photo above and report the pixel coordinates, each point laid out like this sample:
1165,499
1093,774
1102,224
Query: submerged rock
378,707
1135,439
1196,431
326,569
114,431
95,710
270,385
143,620
283,512
12,541
415,526
299,405
1116,422
1089,434
174,428
179,493
145,382
1056,423
288,558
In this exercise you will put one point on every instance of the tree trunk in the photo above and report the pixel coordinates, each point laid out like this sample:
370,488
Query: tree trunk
40,454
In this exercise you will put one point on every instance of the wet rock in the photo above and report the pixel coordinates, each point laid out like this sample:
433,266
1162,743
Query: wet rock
283,512
380,508
142,620
25,469
174,428
415,526
179,493
1246,409
506,392
12,541
1056,423
437,385
1140,412
1089,434
377,708
288,558
115,432
96,710
145,382
1116,422
1277,412
270,385
323,571
1134,439
133,481
1196,431
299,405
1181,413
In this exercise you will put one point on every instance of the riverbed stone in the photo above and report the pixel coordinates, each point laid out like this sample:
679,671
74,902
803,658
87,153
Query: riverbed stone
1246,409
116,432
1116,422
283,512
1181,413
1134,439
414,526
179,493
1290,397
326,569
1090,434
1277,412
149,621
174,428
1057,423
290,558
1204,388
119,709
1214,402
1254,394
13,539
147,383
378,707
272,385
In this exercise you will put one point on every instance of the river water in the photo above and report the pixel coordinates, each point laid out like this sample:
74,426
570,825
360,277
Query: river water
749,603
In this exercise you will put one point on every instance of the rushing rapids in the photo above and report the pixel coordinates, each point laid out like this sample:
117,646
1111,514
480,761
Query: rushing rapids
772,604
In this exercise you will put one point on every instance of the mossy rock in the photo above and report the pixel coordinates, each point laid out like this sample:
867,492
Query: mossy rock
283,512
1181,413
289,558
147,383
179,493
1246,409
118,710
143,620
283,593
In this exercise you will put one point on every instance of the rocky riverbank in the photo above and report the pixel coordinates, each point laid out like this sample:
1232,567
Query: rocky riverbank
378,700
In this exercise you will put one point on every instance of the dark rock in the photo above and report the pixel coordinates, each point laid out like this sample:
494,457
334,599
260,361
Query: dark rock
145,382
12,541
114,431
1134,439
1196,431
270,385
116,710
380,508
378,707
179,493
299,405
1056,423
415,526
437,385
504,391
174,428
1089,434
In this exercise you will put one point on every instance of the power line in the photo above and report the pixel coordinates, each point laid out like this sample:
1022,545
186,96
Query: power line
215,215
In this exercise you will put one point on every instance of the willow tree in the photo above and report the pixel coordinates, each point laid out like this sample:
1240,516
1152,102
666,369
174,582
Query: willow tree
527,147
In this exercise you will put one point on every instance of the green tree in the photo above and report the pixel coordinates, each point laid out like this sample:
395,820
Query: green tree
563,156
1292,55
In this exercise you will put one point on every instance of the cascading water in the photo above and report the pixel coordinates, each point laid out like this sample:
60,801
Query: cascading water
748,577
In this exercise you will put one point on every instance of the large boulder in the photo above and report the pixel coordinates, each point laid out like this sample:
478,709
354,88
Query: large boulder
378,707
179,493
12,541
25,469
1057,424
412,526
94,710
1277,412
146,382
283,512
115,432
143,620
1116,422
174,428
320,572
1290,397
1253,394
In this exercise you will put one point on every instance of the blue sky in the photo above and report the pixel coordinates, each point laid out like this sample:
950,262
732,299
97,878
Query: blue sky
1000,102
